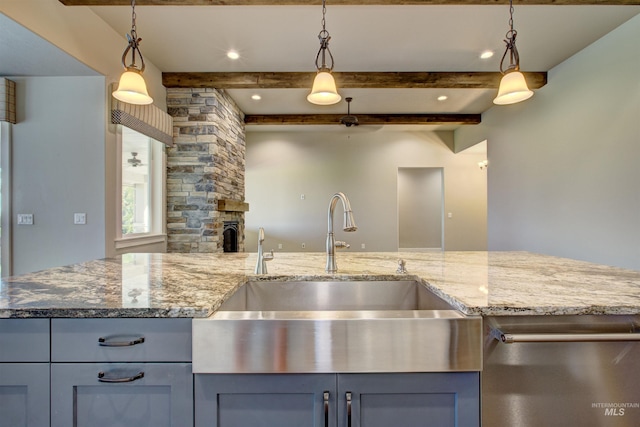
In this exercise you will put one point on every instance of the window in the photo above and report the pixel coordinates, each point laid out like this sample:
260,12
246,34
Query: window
141,161
136,188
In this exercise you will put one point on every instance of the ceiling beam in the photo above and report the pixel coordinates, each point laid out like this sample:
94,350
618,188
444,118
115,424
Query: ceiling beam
362,80
364,119
344,2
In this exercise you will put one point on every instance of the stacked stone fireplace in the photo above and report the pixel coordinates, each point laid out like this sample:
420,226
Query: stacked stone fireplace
205,171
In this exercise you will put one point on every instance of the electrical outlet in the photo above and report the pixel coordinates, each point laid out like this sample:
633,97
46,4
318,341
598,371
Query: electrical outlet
279,245
25,219
304,246
302,197
79,218
362,246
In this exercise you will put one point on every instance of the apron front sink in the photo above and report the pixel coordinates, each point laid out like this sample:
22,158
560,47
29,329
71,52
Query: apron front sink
346,326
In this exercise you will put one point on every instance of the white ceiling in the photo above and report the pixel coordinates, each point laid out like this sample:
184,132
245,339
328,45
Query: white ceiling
364,38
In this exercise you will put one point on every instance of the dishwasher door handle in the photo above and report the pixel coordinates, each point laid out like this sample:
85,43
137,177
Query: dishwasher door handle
551,337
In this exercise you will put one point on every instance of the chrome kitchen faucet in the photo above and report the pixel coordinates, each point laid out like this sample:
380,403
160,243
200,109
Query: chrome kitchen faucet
349,225
261,265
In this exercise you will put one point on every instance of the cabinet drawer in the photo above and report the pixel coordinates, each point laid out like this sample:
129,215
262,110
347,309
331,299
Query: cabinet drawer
121,340
24,340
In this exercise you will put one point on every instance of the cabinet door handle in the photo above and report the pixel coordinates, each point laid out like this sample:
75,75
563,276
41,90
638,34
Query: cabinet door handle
348,409
326,409
104,343
103,379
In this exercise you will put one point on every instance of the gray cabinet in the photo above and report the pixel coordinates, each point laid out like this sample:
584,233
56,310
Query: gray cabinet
121,373
271,400
409,400
342,400
134,395
24,372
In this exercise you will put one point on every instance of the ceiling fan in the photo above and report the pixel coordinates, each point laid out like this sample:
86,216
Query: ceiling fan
349,120
133,161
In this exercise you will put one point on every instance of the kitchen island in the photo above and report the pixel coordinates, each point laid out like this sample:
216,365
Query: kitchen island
195,285
119,330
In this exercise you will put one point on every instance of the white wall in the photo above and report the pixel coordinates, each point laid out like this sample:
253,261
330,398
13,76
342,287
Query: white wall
281,166
563,167
57,170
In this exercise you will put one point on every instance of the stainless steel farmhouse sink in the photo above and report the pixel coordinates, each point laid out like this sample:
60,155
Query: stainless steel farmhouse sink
336,326
334,296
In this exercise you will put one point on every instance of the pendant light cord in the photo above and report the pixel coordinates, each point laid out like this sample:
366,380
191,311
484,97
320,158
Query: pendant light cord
134,42
324,38
134,34
514,57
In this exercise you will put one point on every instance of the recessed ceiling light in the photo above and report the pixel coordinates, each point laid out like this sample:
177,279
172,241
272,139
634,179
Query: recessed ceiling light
443,98
232,54
486,54
256,97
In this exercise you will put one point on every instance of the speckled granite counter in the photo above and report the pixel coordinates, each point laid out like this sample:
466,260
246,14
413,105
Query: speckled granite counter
194,285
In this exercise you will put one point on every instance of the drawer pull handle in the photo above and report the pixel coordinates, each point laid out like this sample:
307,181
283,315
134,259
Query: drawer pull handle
348,409
326,409
103,379
104,343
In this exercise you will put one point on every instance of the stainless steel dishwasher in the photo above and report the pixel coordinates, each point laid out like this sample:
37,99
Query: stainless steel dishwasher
569,371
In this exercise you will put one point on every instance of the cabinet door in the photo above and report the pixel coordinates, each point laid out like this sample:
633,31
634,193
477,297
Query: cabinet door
137,395
24,395
279,400
409,400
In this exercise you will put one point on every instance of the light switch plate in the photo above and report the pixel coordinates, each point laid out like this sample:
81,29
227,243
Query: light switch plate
25,219
79,218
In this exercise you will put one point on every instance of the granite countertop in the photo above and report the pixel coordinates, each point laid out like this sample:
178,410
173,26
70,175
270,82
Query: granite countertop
194,285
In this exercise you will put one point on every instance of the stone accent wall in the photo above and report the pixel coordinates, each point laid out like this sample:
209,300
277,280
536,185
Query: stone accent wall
205,164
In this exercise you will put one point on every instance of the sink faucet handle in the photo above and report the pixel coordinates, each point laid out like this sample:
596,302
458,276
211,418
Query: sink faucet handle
401,267
341,244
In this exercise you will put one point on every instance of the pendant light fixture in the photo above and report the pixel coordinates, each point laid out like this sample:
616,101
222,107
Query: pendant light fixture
132,88
324,90
513,87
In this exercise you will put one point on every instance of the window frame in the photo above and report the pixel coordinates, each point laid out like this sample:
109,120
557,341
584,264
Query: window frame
157,182
5,191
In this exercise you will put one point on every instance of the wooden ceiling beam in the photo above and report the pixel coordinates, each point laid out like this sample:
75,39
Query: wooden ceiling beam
362,80
345,2
364,119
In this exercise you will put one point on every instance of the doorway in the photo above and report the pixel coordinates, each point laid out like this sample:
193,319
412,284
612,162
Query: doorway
420,209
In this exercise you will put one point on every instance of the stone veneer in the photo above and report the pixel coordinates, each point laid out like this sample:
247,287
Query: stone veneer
205,164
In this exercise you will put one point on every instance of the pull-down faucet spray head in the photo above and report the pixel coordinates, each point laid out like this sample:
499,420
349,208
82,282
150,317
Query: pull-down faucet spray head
349,222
